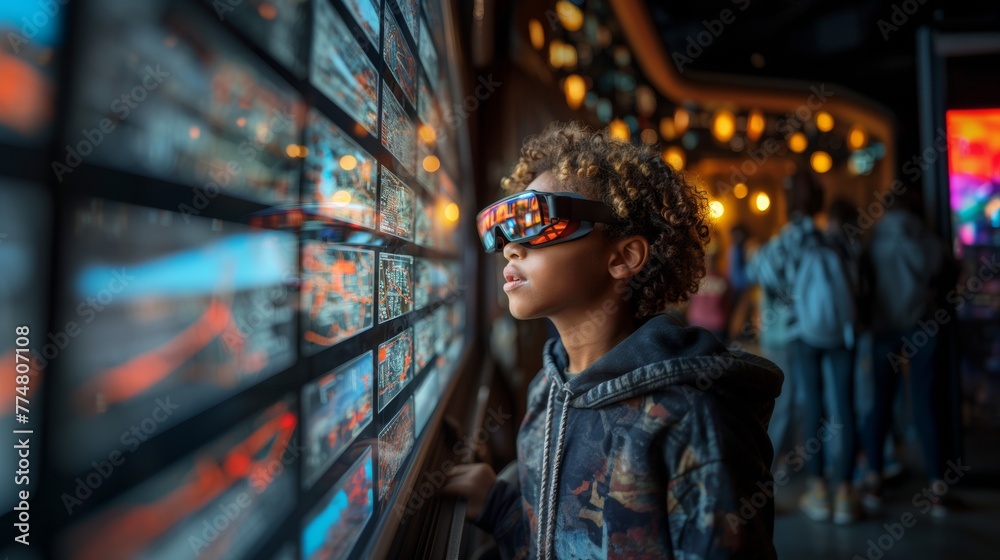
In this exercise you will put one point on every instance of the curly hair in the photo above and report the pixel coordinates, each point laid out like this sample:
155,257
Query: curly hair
648,196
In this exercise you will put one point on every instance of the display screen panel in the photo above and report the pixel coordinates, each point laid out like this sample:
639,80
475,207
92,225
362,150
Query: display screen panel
175,100
395,286
394,445
395,366
396,206
974,175
397,130
341,70
399,58
277,26
339,179
336,408
365,13
332,529
157,309
338,293
425,399
222,501
32,32
424,332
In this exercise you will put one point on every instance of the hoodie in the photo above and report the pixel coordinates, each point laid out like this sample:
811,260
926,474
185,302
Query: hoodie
659,449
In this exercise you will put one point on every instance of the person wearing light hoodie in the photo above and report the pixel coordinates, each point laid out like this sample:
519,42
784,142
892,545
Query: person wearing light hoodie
642,438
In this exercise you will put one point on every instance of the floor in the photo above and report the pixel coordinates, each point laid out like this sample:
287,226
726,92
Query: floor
971,530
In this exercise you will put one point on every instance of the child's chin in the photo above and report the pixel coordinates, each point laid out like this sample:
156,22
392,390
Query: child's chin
520,311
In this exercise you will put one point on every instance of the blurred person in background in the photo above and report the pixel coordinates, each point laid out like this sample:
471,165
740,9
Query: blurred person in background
811,280
909,270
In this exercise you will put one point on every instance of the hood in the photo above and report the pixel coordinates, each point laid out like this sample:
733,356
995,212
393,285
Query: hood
661,353
658,355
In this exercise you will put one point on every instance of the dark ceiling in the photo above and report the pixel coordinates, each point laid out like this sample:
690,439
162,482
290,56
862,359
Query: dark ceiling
866,46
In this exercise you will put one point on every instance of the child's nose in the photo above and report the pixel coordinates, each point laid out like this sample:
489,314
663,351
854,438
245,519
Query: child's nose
512,249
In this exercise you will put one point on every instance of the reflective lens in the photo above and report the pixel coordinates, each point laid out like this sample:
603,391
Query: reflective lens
518,217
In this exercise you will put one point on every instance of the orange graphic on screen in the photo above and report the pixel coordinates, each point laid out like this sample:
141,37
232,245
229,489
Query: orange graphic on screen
141,373
127,530
337,289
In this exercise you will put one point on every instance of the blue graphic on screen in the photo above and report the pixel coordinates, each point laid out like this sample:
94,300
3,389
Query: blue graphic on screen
332,530
245,261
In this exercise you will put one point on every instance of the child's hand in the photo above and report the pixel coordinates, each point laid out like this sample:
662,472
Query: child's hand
471,482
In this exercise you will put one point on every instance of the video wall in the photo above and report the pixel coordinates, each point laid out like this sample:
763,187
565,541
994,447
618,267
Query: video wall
253,298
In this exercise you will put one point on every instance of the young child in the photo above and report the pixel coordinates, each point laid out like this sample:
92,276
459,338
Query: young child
642,438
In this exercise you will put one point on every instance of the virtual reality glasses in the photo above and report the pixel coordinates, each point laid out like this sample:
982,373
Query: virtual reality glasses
538,219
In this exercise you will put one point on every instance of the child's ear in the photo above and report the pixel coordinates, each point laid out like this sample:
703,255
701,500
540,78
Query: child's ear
628,257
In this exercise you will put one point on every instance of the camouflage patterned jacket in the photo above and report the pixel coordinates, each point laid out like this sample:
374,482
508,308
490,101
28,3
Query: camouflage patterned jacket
658,450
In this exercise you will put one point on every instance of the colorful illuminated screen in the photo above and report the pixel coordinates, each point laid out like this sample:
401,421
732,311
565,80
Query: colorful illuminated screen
974,174
247,476
333,527
338,293
336,408
170,98
158,311
394,445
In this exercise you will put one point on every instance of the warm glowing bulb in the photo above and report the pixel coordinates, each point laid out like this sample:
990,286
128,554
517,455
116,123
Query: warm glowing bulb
674,157
427,133
798,142
857,138
681,120
619,130
576,89
341,198
451,212
755,125
537,34
667,129
648,136
348,162
824,121
716,209
740,190
763,202
723,125
292,150
821,161
569,15
431,164
556,53
568,56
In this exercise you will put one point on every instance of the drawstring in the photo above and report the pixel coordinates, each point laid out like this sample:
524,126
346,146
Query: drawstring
545,468
552,485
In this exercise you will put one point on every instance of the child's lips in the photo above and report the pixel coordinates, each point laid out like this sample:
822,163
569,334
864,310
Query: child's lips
514,279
